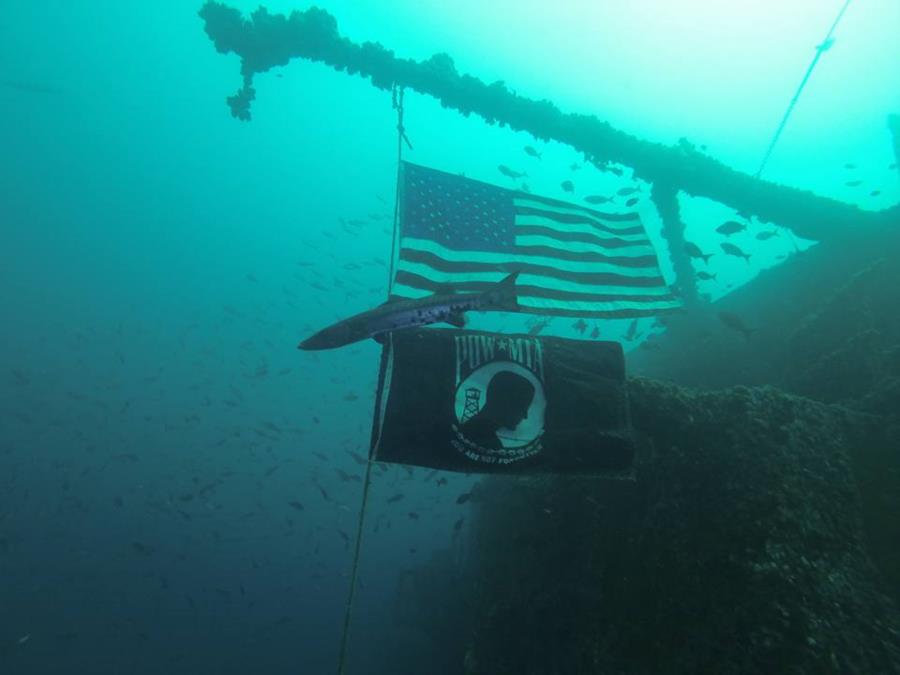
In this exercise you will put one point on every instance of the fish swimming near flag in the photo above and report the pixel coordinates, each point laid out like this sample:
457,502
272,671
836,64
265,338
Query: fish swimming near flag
574,260
399,314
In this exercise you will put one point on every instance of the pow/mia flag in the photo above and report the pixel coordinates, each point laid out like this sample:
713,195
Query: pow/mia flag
483,402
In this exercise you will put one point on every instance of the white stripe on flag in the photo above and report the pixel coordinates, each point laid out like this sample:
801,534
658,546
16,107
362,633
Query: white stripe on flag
535,303
541,281
615,306
509,260
574,210
580,228
635,251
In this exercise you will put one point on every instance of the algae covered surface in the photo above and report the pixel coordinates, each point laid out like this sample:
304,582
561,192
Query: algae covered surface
738,549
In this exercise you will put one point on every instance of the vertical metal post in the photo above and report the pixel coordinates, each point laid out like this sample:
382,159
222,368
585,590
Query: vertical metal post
665,197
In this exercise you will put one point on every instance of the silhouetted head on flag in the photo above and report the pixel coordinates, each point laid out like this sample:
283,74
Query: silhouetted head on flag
484,402
509,396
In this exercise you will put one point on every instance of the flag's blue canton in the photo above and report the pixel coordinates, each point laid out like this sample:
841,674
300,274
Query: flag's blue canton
456,212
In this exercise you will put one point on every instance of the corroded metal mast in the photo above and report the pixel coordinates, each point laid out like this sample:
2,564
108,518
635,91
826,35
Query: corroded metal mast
267,40
264,41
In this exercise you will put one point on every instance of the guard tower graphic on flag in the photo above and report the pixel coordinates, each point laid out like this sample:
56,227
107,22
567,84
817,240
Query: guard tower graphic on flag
473,404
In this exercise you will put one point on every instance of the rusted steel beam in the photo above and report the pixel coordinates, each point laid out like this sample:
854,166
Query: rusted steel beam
265,41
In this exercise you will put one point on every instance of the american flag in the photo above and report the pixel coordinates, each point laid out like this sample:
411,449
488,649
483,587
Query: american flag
572,261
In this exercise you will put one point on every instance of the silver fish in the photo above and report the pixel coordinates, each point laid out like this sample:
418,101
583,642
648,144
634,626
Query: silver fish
632,331
694,251
597,199
30,87
730,227
400,314
509,173
735,323
731,249
768,234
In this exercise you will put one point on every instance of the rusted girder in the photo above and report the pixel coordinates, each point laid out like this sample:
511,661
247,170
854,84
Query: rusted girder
268,40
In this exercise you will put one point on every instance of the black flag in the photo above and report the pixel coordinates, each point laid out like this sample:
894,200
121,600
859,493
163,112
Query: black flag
483,402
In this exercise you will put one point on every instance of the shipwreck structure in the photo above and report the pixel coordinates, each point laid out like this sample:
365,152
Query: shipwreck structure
264,41
849,238
760,534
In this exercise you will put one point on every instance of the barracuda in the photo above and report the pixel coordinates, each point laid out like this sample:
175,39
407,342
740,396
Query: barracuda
399,314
